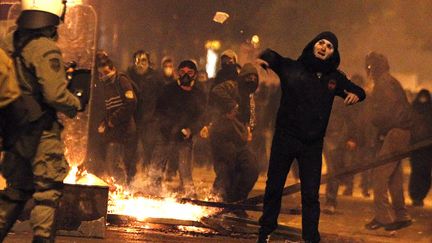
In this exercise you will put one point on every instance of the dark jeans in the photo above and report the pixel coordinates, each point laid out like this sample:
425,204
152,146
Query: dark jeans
420,179
335,164
166,150
119,151
285,149
236,171
147,136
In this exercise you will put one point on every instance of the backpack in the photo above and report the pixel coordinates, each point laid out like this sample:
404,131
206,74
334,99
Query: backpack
135,89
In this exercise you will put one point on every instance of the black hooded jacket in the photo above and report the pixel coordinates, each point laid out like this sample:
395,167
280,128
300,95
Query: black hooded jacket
309,86
422,122
150,85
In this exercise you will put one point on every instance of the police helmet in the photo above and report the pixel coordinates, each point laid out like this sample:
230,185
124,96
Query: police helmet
38,14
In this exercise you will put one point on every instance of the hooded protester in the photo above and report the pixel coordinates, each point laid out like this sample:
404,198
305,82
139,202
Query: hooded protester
178,109
149,85
235,165
391,116
309,86
168,73
229,67
118,128
421,160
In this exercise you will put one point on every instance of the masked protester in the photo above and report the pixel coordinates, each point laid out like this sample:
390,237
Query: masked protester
421,160
235,165
202,152
309,86
118,128
169,75
229,67
167,70
34,165
392,118
149,84
178,109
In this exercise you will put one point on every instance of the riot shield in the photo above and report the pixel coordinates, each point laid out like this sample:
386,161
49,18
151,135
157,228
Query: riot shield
77,41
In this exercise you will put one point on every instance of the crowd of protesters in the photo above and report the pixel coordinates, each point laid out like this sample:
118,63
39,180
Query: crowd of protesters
171,120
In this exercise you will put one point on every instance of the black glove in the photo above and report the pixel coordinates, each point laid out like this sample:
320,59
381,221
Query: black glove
80,85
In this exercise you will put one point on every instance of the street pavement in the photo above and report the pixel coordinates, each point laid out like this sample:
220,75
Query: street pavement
346,225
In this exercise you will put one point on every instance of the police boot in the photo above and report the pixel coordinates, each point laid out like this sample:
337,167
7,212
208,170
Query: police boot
40,239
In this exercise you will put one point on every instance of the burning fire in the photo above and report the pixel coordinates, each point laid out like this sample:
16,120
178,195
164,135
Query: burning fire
124,202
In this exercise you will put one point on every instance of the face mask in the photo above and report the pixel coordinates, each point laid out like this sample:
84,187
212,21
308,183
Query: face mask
168,71
250,83
228,65
104,76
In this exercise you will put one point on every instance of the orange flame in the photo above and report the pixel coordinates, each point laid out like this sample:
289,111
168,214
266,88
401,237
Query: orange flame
123,202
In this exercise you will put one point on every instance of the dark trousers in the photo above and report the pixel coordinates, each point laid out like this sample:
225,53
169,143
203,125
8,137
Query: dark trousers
236,171
421,174
335,164
147,136
166,150
122,151
285,149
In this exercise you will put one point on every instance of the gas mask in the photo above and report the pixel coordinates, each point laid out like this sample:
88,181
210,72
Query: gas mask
186,80
323,49
187,72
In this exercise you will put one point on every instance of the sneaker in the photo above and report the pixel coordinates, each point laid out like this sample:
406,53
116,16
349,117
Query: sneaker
398,225
329,209
374,224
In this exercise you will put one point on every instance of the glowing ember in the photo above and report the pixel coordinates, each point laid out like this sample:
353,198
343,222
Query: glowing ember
195,229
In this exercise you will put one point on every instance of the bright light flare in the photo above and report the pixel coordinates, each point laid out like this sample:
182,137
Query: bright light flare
255,41
212,58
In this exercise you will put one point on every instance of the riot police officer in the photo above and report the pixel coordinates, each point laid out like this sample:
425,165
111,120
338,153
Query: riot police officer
35,165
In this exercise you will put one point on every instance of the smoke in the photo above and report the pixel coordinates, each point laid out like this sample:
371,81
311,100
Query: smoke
398,29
